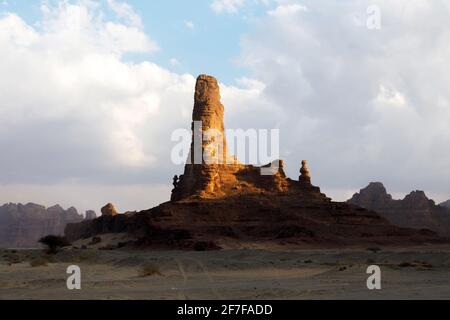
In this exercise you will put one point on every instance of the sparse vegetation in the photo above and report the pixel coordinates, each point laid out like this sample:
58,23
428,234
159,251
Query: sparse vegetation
149,270
54,243
39,262
12,258
416,264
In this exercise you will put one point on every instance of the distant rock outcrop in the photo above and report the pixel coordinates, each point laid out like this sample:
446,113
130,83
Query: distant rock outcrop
23,225
445,204
219,202
90,215
414,211
109,210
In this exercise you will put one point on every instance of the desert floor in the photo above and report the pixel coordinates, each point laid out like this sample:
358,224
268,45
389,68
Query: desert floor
411,273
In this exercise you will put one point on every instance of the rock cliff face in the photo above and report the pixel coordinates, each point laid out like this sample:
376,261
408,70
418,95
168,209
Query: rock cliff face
414,211
23,225
218,202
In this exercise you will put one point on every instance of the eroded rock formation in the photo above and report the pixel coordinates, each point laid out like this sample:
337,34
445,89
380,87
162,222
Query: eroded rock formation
210,173
23,225
414,211
109,210
218,202
90,215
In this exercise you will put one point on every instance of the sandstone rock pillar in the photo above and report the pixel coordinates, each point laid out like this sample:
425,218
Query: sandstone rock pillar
305,175
209,147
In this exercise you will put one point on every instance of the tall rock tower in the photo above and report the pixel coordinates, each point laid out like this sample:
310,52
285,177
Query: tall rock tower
208,131
209,171
209,147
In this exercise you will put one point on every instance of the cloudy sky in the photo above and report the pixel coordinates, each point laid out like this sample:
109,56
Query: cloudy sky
90,92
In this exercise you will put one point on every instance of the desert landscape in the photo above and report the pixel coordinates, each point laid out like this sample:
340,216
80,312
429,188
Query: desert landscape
412,273
231,232
224,150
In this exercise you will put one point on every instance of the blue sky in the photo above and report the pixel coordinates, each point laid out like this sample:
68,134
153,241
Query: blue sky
201,40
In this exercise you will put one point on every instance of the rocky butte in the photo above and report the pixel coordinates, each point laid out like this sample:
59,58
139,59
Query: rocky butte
414,211
225,204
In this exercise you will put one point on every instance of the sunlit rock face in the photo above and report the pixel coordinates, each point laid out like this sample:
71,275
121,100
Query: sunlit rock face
210,172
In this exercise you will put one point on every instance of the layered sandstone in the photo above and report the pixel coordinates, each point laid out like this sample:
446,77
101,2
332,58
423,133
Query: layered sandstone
218,202
416,210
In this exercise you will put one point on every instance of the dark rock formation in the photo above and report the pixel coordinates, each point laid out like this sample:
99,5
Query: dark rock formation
445,204
23,225
414,211
222,201
90,215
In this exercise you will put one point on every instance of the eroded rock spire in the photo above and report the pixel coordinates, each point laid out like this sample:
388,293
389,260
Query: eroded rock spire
209,143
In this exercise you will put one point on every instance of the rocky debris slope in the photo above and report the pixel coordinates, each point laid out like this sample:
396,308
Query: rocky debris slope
218,201
23,225
414,211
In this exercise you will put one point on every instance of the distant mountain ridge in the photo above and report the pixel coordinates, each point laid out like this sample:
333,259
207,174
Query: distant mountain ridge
23,225
416,210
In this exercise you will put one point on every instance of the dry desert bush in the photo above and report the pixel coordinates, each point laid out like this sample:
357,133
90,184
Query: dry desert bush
149,270
39,262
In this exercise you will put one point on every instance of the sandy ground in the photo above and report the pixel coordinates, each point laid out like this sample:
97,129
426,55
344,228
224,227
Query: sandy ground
413,273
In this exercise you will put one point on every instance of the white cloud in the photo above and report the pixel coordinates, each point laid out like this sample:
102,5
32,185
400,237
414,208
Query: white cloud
71,108
234,6
361,105
125,11
285,10
189,24
76,117
227,6
390,97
